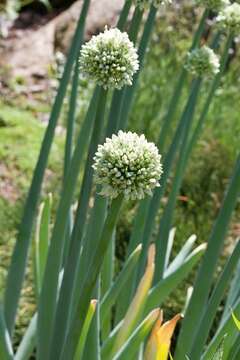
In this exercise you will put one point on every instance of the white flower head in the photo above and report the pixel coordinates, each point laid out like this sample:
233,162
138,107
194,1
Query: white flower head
127,164
110,59
229,18
202,62
214,5
146,3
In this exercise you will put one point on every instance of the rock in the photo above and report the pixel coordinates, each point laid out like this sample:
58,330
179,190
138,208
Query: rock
27,53
97,18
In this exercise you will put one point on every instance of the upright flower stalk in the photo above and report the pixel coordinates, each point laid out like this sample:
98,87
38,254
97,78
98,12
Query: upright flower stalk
108,162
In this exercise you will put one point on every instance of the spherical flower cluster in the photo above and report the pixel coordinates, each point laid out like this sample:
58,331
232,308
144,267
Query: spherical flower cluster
110,59
145,3
127,164
202,62
214,5
229,18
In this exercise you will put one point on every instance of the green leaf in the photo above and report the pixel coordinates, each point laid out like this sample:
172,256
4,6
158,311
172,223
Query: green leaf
28,342
228,328
208,315
206,272
82,339
181,256
47,301
236,321
132,344
19,259
6,350
162,290
136,307
90,280
42,241
219,353
116,289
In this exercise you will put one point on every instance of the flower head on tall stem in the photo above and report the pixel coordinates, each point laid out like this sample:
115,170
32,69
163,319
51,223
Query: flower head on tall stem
127,164
228,18
110,59
202,62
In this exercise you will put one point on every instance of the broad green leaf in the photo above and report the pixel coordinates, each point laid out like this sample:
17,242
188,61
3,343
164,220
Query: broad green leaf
162,290
209,313
28,342
229,329
90,279
219,353
206,272
236,320
6,350
132,344
116,289
82,339
137,305
48,297
181,256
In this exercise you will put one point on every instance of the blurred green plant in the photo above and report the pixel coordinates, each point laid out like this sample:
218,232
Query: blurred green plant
83,310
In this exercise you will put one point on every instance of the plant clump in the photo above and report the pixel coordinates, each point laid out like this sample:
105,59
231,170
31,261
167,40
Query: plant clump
202,62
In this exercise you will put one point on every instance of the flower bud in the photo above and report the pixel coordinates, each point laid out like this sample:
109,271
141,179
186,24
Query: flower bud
202,62
214,5
229,18
127,164
110,59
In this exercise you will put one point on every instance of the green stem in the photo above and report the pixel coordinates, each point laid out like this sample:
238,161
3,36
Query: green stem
69,144
90,280
124,15
19,259
63,307
166,220
48,297
205,274
207,319
167,164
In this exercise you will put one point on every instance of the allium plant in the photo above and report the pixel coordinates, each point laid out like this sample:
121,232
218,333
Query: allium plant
84,309
127,164
229,18
214,5
110,59
202,62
